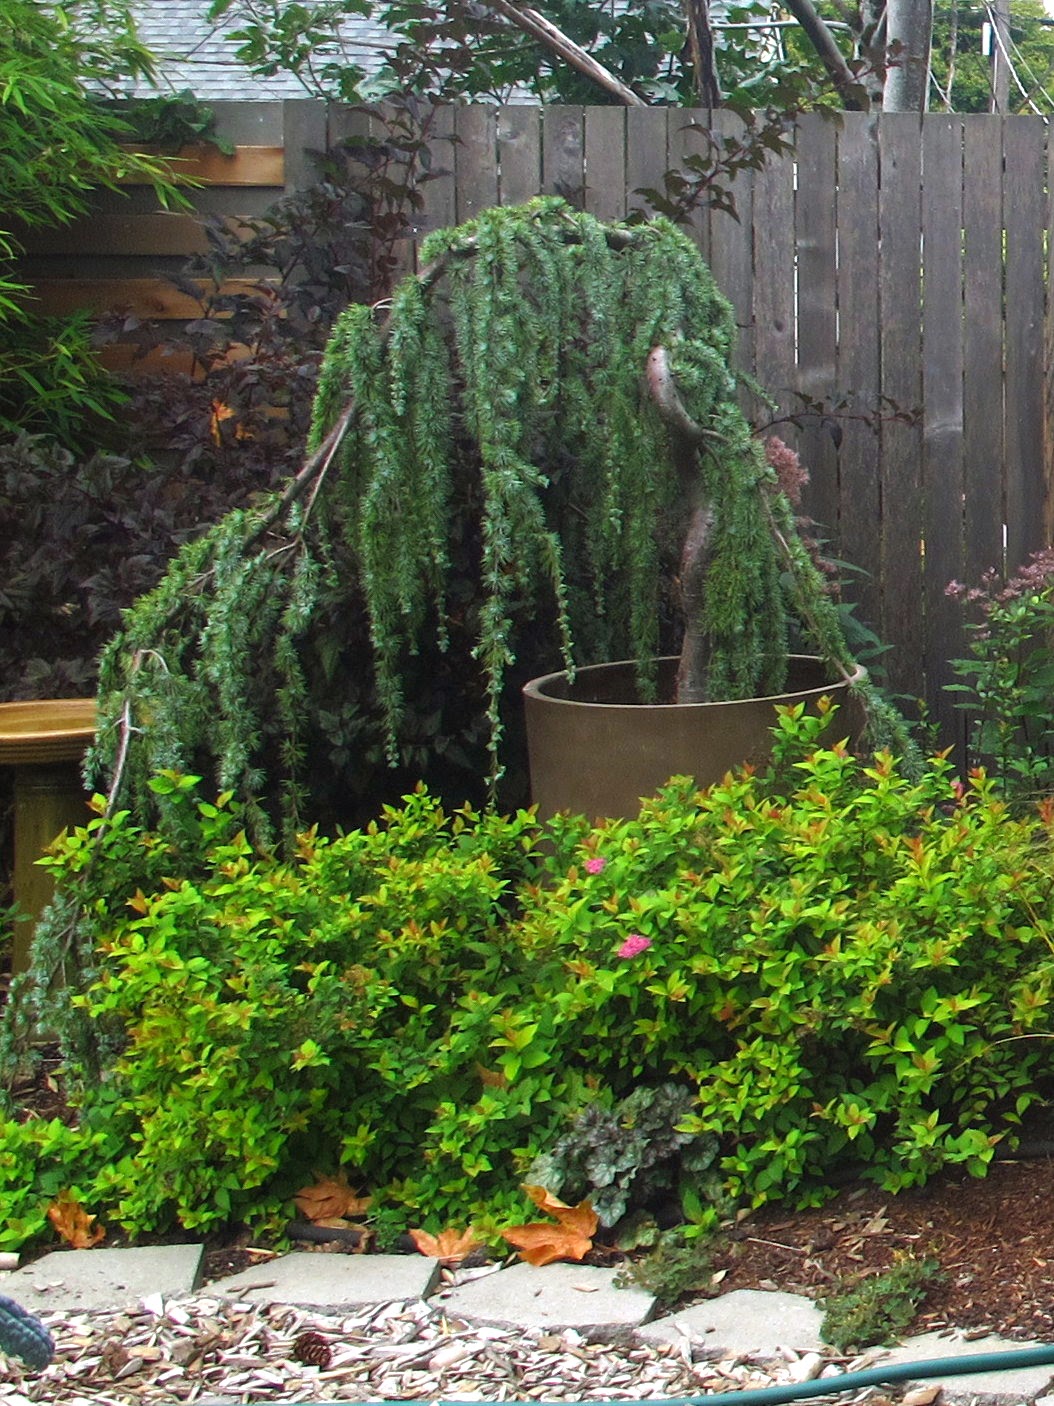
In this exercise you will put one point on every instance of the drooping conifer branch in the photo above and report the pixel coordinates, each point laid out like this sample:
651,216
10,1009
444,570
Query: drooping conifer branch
577,376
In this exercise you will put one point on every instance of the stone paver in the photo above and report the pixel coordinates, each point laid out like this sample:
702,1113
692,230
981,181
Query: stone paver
1003,1387
77,1279
748,1322
328,1281
552,1296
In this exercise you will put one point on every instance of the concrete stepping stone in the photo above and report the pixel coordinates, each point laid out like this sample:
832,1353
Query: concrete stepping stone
67,1280
331,1281
583,1297
751,1323
1001,1388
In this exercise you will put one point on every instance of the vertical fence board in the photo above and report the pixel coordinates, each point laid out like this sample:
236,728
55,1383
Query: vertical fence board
928,288
982,346
688,139
942,390
900,473
1024,144
605,159
774,280
563,153
476,159
732,245
814,224
519,154
439,192
305,136
646,155
860,515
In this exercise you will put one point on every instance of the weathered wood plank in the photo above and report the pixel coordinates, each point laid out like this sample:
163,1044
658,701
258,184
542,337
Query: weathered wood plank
563,153
438,192
942,391
476,159
815,234
647,155
252,123
306,137
605,157
688,144
731,244
248,166
900,344
1024,183
773,290
146,297
860,519
519,154
159,234
983,422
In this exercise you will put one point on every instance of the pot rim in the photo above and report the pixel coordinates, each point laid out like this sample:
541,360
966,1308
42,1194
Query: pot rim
536,688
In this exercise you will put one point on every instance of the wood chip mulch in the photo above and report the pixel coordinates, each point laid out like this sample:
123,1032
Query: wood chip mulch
993,1239
208,1350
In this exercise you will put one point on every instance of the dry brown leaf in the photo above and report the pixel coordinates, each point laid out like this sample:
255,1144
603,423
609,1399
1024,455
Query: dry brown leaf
540,1242
543,1242
330,1198
450,1246
921,1396
73,1223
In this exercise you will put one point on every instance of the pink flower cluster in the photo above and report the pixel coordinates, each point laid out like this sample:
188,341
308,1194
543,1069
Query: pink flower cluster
596,865
790,473
634,945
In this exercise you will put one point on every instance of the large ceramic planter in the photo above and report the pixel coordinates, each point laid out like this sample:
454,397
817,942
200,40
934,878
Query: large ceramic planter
595,749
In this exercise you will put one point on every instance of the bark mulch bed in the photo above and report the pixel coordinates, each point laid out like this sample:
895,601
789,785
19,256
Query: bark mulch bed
993,1239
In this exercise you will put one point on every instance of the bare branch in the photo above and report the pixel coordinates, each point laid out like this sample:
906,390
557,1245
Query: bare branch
538,27
701,47
831,56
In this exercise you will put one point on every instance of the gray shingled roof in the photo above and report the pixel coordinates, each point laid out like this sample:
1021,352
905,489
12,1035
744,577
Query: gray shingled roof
197,54
194,53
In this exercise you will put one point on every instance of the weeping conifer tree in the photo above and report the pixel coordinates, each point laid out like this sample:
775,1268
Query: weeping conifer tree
556,392
569,383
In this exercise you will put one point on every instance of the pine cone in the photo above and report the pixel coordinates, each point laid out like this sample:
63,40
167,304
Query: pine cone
312,1349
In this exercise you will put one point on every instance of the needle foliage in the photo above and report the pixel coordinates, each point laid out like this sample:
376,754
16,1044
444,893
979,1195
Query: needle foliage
492,423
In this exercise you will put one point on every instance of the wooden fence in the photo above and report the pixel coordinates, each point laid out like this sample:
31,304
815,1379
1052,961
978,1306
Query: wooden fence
894,264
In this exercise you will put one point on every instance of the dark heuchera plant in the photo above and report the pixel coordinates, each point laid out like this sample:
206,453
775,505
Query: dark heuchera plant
630,1156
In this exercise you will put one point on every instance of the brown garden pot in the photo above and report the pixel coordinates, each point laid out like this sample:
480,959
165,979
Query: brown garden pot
593,748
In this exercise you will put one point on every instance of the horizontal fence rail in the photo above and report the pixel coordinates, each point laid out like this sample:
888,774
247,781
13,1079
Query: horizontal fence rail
889,274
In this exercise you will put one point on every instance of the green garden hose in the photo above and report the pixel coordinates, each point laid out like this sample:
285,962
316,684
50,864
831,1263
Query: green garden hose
799,1391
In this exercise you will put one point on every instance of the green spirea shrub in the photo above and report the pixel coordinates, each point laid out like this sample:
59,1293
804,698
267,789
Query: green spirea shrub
851,970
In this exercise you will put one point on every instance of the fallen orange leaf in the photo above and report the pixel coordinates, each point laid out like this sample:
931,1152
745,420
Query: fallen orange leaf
541,1242
73,1223
330,1197
450,1246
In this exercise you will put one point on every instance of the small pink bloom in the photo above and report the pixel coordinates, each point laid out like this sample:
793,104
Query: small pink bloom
596,865
634,945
